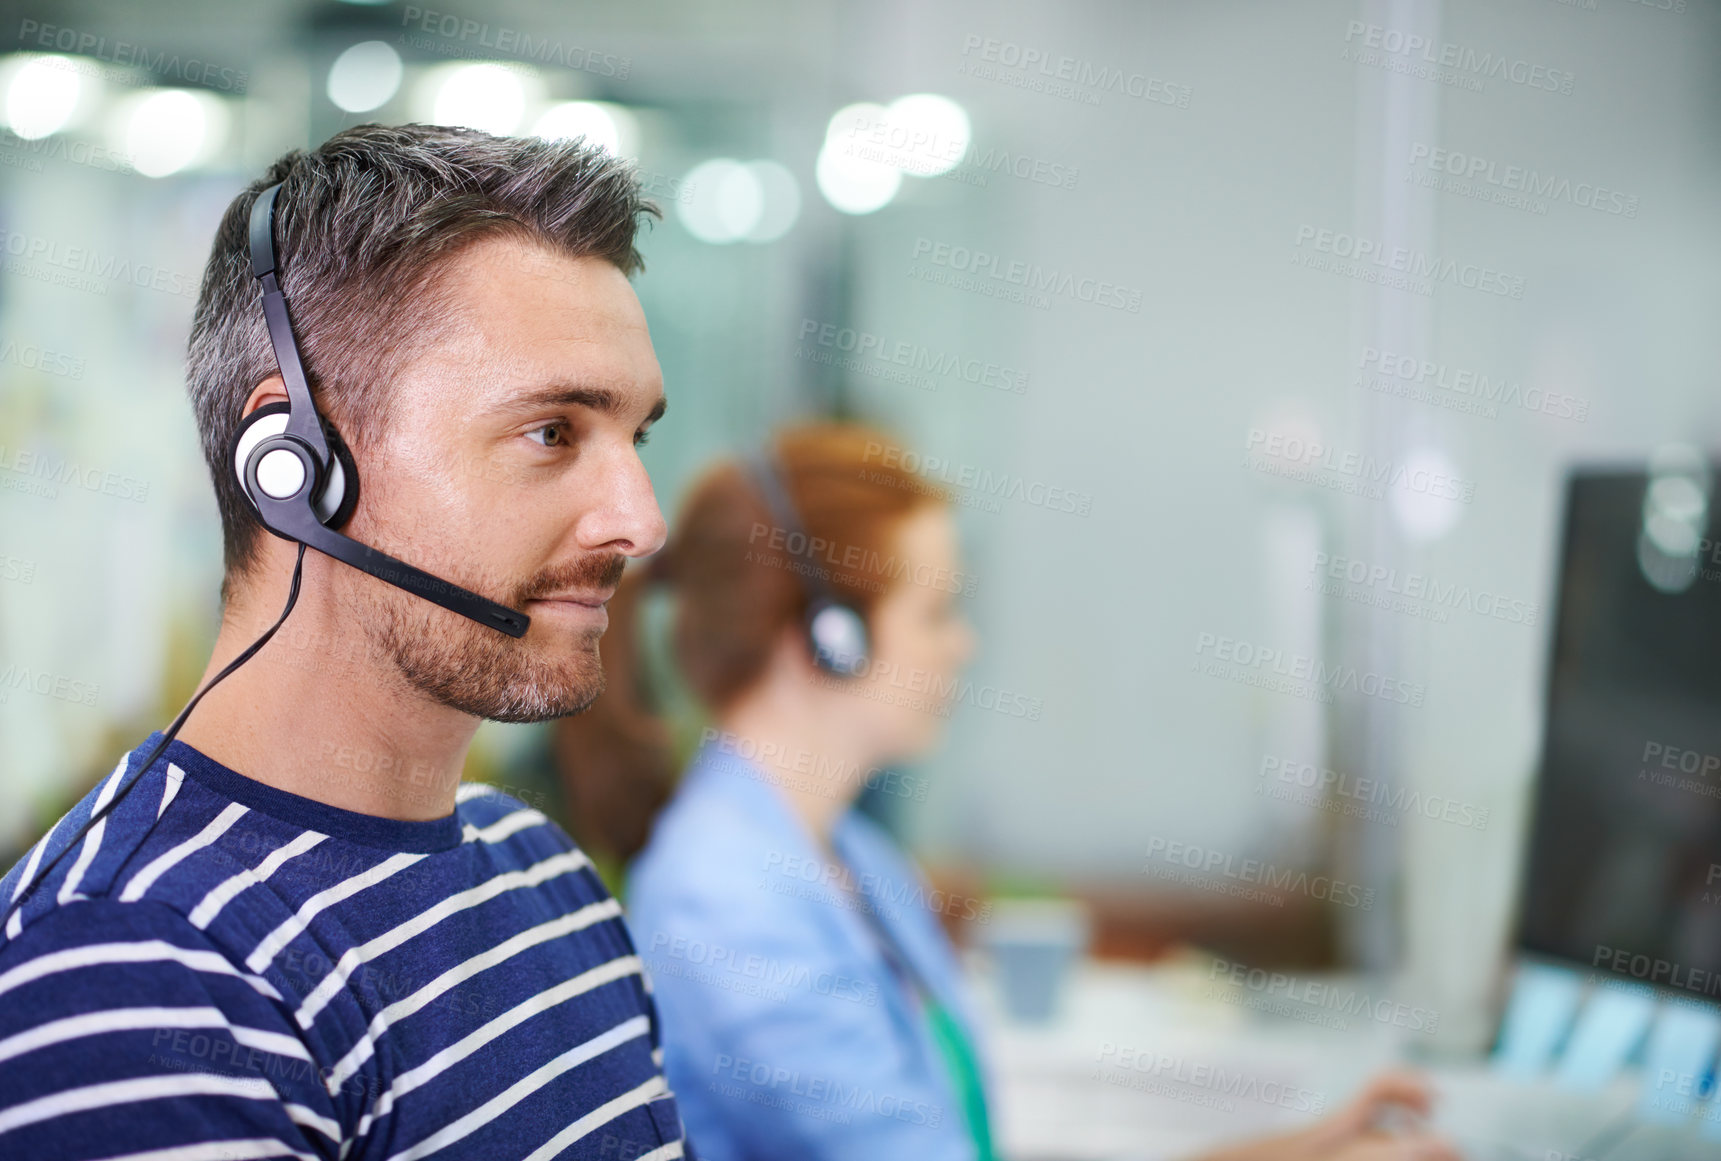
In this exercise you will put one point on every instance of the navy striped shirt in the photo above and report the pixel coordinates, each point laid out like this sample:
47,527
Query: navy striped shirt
223,970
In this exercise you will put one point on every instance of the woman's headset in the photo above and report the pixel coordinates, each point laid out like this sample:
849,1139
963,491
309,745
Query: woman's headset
836,632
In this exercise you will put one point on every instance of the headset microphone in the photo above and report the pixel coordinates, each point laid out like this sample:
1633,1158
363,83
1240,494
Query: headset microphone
836,632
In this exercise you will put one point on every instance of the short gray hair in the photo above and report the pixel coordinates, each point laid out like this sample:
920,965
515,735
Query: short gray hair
364,224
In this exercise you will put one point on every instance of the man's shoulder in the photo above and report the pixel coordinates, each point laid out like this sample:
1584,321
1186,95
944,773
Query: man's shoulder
132,839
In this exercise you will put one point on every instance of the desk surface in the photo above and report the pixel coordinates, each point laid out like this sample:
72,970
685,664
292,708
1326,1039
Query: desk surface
1158,1064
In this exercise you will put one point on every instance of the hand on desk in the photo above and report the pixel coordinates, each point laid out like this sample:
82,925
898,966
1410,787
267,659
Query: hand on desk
1356,1132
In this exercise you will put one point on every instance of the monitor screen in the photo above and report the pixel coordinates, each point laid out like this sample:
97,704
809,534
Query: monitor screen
1624,862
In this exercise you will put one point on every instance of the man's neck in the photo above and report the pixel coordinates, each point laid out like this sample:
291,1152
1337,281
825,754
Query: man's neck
314,713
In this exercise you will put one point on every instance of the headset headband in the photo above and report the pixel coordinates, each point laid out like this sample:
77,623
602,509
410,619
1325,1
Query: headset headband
762,467
302,418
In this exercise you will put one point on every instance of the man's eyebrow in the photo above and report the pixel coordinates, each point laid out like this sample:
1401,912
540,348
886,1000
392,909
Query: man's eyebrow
601,399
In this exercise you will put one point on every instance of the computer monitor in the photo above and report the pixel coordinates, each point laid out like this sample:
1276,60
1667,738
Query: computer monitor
1624,861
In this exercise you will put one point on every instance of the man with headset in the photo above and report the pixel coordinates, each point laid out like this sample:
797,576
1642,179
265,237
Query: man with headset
288,929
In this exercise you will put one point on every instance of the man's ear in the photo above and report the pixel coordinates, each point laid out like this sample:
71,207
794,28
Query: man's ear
271,390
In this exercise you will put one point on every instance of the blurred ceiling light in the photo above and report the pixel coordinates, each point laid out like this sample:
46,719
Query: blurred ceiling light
852,120
167,130
600,123
927,134
486,97
852,184
41,97
781,201
1422,511
1675,517
365,76
724,201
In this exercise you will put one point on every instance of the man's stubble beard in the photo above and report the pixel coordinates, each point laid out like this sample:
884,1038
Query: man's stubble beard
461,664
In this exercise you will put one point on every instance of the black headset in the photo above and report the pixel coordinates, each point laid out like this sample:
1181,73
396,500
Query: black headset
296,471
836,632
302,483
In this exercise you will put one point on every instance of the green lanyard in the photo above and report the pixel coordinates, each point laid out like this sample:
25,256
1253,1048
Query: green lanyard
953,1045
964,1071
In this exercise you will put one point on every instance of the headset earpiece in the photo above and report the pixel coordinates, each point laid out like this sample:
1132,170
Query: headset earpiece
836,632
838,637
337,490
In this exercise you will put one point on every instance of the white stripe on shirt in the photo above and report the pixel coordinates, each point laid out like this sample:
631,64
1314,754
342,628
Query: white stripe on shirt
290,927
434,1067
15,924
137,1089
169,788
602,1115
532,876
246,1149
503,827
573,921
136,951
162,863
92,839
132,1019
300,1115
219,896
537,1079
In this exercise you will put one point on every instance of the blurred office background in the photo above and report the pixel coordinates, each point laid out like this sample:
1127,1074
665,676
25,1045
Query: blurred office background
1108,269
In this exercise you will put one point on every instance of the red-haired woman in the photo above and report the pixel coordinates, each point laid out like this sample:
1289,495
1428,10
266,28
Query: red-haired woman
812,1006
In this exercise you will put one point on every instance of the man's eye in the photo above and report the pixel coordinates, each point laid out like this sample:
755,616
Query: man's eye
555,427
642,439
